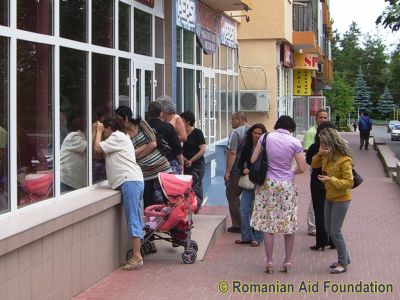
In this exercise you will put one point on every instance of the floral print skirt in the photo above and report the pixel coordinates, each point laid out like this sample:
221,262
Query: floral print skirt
275,207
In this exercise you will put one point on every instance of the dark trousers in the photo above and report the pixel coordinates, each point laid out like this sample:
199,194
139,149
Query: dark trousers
364,138
233,192
318,199
197,171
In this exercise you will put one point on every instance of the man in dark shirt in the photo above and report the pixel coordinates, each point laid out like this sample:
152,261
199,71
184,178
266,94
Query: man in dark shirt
168,133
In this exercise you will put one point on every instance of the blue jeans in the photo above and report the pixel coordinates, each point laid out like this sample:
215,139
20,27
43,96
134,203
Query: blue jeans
132,193
246,209
334,213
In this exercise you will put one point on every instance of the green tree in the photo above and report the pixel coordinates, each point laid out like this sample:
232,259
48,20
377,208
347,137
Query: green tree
340,97
390,17
394,70
362,100
385,104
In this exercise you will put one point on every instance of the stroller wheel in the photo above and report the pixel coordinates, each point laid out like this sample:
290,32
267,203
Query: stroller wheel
129,254
189,256
193,245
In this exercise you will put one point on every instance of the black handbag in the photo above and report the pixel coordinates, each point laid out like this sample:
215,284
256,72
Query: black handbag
357,179
258,170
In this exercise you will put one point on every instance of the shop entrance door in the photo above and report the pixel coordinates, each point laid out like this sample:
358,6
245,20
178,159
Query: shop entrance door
207,107
144,85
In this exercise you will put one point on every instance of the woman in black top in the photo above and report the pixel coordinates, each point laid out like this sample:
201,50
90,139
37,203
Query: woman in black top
318,194
194,149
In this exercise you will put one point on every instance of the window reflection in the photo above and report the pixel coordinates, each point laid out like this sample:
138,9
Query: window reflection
102,102
124,94
4,204
102,23
35,16
73,19
143,33
4,12
73,120
159,37
34,122
188,46
124,25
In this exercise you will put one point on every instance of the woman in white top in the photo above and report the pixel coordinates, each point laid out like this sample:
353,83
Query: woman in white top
123,173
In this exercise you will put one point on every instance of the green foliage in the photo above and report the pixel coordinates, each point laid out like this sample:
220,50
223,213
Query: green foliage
394,78
362,99
390,16
340,97
385,104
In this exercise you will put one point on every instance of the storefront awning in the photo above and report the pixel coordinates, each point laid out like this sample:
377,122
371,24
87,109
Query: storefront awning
228,5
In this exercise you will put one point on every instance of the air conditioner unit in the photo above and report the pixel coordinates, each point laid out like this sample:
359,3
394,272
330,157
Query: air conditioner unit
253,101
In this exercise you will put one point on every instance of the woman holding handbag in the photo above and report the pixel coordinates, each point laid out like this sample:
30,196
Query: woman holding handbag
275,205
248,234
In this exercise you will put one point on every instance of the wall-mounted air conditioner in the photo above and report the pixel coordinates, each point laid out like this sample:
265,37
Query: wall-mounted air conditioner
254,101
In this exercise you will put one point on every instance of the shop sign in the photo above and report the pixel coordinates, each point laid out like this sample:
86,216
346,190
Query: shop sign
302,82
306,61
287,55
186,14
207,28
316,103
228,32
149,3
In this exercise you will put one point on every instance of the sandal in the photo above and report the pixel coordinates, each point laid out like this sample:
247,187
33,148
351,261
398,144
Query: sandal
240,242
339,269
131,264
254,244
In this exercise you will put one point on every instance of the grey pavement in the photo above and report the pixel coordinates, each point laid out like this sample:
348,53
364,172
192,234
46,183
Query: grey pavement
371,231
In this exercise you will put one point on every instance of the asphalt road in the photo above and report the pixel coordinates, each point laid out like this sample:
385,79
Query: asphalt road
381,131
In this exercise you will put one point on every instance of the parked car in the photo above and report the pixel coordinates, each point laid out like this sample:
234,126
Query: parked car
391,124
395,133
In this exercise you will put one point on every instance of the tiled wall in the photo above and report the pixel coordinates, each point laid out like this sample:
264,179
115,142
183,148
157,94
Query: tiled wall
67,261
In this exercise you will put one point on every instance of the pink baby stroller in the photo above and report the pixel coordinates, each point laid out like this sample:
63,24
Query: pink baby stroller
172,221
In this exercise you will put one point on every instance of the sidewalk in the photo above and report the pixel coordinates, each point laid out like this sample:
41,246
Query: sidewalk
370,229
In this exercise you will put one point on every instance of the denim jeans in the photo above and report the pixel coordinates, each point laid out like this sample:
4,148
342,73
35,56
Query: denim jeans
132,192
334,213
246,209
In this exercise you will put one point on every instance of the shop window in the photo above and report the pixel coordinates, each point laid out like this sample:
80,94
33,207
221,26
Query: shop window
179,44
124,26
199,53
73,120
217,108
35,16
188,46
225,119
159,37
4,158
188,90
73,20
4,12
143,33
178,90
102,23
102,103
124,82
34,122
207,60
160,80
223,63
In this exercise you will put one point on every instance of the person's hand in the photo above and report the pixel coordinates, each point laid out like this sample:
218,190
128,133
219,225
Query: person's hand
246,171
188,163
322,151
227,177
324,178
99,127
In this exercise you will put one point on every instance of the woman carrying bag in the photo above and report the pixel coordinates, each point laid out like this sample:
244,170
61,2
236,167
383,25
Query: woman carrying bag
248,234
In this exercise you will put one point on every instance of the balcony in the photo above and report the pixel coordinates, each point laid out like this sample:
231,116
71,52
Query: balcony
303,26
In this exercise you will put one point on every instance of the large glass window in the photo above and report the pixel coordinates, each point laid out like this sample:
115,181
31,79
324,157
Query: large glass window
4,86
160,80
225,119
102,23
4,12
199,53
223,63
124,82
178,90
73,120
124,26
34,122
188,46
188,90
179,44
143,33
35,16
159,37
102,102
73,15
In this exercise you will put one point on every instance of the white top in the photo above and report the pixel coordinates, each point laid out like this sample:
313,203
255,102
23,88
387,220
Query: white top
121,163
73,157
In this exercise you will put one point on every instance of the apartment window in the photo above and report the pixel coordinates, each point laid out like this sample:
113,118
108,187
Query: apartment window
34,122
102,102
35,16
124,26
188,47
143,33
73,120
73,20
159,37
4,158
124,82
102,23
4,12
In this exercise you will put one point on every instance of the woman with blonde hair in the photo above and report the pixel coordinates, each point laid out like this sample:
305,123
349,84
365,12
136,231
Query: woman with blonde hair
169,115
335,159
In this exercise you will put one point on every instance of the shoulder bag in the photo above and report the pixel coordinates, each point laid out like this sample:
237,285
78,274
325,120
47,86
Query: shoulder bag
258,170
357,179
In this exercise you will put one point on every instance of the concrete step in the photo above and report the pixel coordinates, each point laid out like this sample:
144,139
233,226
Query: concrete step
207,229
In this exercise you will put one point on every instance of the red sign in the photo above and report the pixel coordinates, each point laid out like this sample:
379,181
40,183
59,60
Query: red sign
149,3
306,61
287,55
316,103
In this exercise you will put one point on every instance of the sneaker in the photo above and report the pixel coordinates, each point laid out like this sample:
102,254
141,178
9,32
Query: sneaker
131,264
